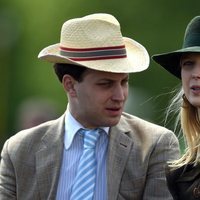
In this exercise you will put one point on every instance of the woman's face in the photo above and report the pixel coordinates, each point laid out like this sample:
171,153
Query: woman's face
190,75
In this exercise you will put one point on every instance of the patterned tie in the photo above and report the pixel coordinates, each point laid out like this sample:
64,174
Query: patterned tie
84,184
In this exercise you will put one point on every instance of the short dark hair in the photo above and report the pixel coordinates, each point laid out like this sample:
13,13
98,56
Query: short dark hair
75,71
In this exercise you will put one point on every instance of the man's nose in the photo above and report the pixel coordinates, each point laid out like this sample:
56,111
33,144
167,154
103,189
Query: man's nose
119,94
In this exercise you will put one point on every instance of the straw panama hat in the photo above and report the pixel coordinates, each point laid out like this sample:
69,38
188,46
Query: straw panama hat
191,44
95,41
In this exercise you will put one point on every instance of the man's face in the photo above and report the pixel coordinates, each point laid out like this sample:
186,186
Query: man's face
100,98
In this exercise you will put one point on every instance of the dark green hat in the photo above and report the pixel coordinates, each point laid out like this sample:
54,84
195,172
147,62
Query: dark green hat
191,44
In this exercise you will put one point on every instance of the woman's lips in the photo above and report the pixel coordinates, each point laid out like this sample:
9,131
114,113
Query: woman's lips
195,89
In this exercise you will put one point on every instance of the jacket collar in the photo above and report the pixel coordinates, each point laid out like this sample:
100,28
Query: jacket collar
49,158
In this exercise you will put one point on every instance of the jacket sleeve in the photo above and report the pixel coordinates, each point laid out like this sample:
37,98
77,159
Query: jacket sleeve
166,149
7,176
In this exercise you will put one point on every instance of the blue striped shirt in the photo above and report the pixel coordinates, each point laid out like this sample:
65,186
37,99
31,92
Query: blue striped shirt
73,148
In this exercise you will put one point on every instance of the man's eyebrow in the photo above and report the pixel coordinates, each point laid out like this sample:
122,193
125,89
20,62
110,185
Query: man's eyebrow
113,79
107,79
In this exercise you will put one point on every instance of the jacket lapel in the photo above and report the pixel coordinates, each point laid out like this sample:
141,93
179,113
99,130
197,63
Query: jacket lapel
119,147
49,158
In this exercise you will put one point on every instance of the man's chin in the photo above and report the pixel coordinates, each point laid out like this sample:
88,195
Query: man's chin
113,122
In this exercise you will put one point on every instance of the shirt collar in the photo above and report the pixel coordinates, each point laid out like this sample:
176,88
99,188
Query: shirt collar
71,128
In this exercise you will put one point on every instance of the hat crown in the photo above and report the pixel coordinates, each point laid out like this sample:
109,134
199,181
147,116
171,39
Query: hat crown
96,42
96,30
191,44
192,33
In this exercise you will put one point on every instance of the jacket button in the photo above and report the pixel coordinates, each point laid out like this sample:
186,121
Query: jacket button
196,192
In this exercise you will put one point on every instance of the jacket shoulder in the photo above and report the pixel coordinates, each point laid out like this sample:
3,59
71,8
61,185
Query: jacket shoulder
29,140
147,134
141,124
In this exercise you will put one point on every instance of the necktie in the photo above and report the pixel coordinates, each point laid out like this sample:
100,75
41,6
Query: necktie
84,184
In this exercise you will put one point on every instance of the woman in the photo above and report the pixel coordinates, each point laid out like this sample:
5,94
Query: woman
183,175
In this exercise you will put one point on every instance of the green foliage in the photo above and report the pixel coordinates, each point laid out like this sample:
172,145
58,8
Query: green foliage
29,26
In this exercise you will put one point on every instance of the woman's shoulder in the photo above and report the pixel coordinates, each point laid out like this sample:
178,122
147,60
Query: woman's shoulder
184,182
183,173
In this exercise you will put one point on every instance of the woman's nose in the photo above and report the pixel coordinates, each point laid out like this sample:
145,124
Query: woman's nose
196,72
195,76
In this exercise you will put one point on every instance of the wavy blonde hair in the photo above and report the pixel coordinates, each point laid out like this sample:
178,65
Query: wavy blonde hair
190,127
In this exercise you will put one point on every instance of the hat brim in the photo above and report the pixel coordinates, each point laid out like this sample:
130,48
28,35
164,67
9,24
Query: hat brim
171,60
137,59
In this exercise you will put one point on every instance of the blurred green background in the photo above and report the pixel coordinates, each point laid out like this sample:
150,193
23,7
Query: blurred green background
26,27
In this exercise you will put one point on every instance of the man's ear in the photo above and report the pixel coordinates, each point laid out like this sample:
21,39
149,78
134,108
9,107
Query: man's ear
68,84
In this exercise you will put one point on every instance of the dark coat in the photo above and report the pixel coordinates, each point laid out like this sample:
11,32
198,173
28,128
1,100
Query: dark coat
184,182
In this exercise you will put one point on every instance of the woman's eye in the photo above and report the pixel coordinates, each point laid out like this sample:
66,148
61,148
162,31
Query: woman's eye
187,64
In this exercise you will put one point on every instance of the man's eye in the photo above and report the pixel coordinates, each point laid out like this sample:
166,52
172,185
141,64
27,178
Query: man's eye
106,83
125,82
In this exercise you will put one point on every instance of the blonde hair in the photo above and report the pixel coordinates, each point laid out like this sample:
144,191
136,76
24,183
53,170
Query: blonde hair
190,127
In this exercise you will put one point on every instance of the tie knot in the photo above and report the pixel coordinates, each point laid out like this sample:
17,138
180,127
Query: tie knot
90,137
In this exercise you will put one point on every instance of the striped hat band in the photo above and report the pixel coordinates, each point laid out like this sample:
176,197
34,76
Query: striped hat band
98,53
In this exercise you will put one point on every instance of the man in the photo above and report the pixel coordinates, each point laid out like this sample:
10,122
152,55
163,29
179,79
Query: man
92,61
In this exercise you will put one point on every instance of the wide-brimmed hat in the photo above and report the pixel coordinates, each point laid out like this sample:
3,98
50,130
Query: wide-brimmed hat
191,44
95,41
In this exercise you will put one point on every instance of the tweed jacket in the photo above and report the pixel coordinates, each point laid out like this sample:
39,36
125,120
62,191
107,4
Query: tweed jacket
184,182
137,153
